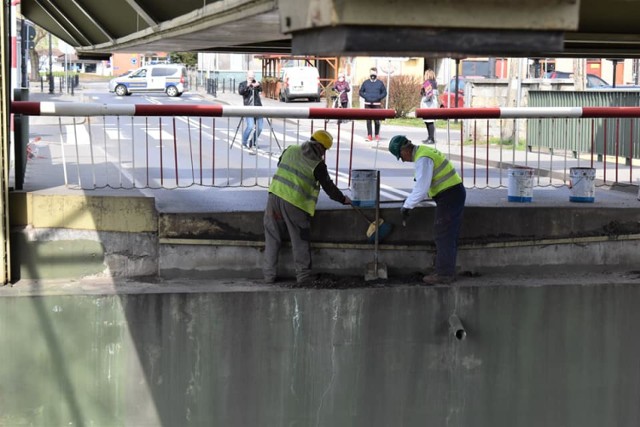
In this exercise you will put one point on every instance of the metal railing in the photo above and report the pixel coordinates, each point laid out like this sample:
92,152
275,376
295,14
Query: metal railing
213,85
178,146
68,83
503,138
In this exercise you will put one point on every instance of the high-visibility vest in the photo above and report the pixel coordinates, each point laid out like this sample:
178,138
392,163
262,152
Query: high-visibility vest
444,174
294,180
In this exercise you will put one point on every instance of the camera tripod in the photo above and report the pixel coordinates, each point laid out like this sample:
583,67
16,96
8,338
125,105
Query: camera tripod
252,140
253,137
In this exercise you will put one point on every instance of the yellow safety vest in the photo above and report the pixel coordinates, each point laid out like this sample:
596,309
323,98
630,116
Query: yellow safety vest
294,180
444,174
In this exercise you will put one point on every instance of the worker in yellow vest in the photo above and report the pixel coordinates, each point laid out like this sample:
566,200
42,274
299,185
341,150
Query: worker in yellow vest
293,195
436,177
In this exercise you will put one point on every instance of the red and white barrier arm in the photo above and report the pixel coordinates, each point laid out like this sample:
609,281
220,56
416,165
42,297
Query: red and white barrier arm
92,109
527,112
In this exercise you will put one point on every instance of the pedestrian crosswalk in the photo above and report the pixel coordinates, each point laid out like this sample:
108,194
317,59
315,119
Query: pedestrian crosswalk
76,134
169,152
190,129
267,138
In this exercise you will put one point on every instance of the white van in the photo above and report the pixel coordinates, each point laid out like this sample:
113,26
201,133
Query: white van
168,78
299,82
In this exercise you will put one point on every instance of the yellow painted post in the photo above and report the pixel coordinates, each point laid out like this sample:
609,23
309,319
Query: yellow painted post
4,150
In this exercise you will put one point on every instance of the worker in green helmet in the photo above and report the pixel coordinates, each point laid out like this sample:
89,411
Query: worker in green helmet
291,203
435,177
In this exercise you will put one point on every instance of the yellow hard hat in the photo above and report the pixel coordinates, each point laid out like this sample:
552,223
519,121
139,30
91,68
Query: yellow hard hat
323,137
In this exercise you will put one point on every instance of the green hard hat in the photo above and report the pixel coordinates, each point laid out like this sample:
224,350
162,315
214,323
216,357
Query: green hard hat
396,144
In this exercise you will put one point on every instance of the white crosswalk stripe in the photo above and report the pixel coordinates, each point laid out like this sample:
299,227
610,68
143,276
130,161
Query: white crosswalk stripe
155,133
266,136
114,133
77,133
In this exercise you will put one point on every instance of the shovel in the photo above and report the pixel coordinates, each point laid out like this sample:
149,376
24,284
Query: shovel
376,269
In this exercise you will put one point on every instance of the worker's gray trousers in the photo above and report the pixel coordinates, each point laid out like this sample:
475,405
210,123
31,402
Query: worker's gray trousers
282,218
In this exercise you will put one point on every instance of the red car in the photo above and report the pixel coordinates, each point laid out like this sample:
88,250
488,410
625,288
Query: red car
447,98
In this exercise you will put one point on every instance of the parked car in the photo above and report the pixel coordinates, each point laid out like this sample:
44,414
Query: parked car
168,78
127,72
593,81
299,82
447,98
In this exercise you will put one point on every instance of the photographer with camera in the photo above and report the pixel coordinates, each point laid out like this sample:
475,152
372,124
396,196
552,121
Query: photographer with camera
250,91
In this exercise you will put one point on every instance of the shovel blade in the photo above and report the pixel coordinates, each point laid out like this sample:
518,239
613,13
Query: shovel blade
375,271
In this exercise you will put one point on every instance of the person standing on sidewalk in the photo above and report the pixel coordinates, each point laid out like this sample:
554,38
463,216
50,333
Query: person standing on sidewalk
341,88
436,177
250,91
291,203
373,91
429,99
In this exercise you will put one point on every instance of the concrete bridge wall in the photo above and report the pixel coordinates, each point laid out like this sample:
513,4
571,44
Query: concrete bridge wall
95,347
535,354
79,236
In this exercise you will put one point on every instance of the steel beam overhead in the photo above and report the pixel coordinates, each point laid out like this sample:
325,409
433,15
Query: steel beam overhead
67,35
143,13
92,19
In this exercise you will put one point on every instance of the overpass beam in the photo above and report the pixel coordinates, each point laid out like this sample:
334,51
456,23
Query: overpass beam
142,12
375,27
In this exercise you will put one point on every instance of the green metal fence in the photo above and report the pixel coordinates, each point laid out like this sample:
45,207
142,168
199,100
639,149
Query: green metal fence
613,137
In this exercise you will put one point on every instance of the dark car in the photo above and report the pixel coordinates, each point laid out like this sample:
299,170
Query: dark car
593,81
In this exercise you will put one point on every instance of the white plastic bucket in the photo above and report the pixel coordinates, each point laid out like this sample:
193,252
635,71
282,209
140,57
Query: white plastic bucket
363,187
583,188
520,187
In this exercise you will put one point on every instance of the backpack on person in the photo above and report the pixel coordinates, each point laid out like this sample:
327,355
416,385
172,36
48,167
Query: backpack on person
427,91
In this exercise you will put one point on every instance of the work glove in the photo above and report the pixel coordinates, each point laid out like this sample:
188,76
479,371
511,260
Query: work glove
404,212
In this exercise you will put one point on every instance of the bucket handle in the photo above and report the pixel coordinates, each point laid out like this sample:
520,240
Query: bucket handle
577,182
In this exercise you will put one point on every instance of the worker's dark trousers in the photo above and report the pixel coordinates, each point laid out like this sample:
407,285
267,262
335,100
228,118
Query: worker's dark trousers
282,218
449,210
